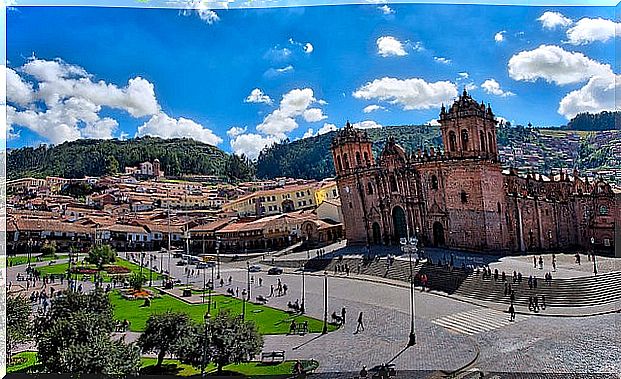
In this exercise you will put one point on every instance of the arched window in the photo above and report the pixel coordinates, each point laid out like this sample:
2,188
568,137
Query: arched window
346,161
452,141
434,182
369,188
339,164
499,209
464,139
464,197
393,183
482,138
490,142
366,157
358,160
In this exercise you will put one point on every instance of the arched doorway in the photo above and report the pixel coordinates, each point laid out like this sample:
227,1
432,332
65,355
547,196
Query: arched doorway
438,234
377,234
398,223
287,206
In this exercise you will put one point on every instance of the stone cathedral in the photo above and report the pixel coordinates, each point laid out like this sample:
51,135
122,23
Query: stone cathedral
460,197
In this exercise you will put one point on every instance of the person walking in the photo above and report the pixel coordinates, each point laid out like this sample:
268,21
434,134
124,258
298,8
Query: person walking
540,262
360,323
271,290
260,282
543,302
534,261
511,312
343,312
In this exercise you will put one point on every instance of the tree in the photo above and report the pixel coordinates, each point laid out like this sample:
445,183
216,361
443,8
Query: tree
48,249
230,339
112,165
75,337
18,322
100,255
136,281
163,332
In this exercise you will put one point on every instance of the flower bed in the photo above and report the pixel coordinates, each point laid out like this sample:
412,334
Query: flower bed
117,270
84,270
132,294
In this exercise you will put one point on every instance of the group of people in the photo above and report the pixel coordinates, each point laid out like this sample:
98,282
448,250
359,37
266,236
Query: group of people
281,289
319,253
341,269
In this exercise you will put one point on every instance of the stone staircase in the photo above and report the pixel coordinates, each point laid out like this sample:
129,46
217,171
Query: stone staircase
572,292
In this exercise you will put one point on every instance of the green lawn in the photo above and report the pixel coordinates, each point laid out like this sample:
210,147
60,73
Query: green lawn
174,367
61,268
25,359
23,259
269,320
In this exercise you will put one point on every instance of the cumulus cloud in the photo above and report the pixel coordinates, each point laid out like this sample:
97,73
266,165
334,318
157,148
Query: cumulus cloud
372,108
314,115
308,48
554,65
491,86
257,96
202,8
410,94
500,36
293,104
368,124
442,60
432,122
552,20
309,133
588,30
326,128
597,95
251,144
386,9
274,72
235,131
390,46
66,102
164,126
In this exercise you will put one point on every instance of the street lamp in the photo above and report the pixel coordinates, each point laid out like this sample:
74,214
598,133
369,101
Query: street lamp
243,304
593,254
29,251
204,358
325,303
302,308
218,255
150,270
411,247
248,278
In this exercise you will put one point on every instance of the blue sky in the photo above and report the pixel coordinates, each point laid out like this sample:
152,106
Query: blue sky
192,71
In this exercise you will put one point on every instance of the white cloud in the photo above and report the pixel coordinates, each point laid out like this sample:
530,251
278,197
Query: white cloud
257,96
372,108
18,91
411,93
326,128
251,144
275,72
389,46
597,95
432,122
101,129
164,126
308,48
386,9
417,46
56,125
554,65
491,86
314,115
442,60
235,131
203,8
368,124
309,133
471,86
463,75
500,36
588,30
552,20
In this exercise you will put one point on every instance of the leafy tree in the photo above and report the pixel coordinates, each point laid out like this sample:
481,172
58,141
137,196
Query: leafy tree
112,165
136,281
163,332
18,322
229,338
75,337
100,255
49,249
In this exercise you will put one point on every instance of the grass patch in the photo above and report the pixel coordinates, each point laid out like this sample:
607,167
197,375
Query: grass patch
22,362
250,369
61,268
268,320
22,259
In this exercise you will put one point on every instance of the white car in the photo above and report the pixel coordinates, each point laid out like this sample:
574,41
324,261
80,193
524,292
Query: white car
254,268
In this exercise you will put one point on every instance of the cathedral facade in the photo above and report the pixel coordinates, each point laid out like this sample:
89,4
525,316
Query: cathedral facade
460,197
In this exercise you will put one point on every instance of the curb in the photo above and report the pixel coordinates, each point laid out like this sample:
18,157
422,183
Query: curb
454,373
374,279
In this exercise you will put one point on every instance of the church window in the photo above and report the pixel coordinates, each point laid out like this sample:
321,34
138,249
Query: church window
499,208
346,161
366,157
369,188
603,210
464,196
393,183
339,163
490,142
482,138
358,160
434,182
452,141
464,139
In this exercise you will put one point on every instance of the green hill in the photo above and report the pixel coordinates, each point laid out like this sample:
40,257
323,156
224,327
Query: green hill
88,157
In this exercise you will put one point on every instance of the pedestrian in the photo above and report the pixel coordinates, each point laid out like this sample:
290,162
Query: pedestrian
511,312
360,323
222,281
543,302
284,287
534,261
536,303
535,282
519,277
364,373
496,274
343,312
512,296
271,290
230,280
260,282
514,276
530,282
530,303
237,292
504,276
578,258
540,262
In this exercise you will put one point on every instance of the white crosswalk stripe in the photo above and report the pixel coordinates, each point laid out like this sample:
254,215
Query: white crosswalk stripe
476,321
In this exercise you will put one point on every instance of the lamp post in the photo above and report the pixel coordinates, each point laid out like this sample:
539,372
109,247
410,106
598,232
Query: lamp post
150,270
248,278
325,303
204,286
411,247
204,358
141,261
218,255
29,251
243,304
211,288
593,254
302,307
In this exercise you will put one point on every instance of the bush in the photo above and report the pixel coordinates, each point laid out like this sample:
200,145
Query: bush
48,250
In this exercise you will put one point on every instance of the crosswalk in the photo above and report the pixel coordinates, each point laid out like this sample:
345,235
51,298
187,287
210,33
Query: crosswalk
476,321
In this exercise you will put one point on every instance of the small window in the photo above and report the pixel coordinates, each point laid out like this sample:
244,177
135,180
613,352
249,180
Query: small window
603,210
607,242
434,182
369,188
358,160
393,183
464,197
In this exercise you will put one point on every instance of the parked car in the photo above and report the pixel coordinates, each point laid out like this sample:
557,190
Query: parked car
181,263
254,268
274,271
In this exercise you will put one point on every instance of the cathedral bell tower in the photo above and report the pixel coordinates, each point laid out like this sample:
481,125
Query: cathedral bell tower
469,129
351,149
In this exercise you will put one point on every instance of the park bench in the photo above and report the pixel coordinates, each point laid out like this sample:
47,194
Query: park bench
301,328
273,356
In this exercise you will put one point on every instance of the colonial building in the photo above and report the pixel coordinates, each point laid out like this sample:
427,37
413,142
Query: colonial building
460,197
